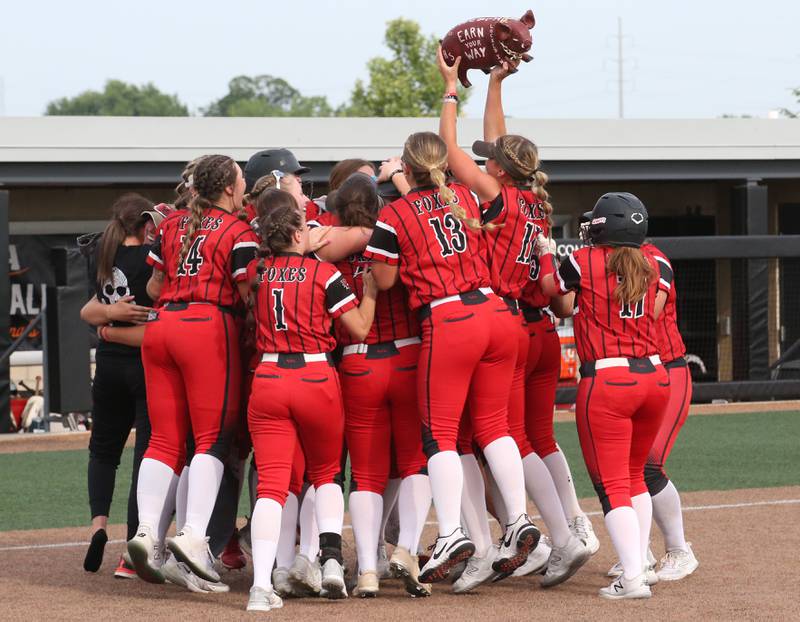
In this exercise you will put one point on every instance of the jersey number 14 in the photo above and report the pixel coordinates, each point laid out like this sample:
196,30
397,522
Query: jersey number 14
190,266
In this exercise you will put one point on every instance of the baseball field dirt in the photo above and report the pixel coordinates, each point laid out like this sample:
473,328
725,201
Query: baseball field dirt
746,541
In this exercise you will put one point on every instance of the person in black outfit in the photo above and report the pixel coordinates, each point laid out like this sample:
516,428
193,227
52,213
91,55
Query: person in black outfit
119,309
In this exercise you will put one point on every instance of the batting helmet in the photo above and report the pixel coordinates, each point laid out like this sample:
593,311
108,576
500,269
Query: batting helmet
618,219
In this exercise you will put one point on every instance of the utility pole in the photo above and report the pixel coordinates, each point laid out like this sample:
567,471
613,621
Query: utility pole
620,70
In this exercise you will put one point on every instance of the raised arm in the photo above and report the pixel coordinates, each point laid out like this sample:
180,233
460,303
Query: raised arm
494,120
459,161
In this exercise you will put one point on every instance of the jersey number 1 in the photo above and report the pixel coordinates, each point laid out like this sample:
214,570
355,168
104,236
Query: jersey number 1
456,241
278,309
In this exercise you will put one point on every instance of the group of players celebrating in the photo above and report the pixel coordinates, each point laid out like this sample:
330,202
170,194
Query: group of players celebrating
419,336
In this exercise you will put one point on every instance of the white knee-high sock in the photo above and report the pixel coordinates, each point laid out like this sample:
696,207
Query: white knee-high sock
390,495
497,499
447,480
169,507
503,458
543,492
152,489
205,476
329,508
643,506
286,543
473,505
413,503
265,530
366,509
309,533
623,527
181,496
557,464
669,517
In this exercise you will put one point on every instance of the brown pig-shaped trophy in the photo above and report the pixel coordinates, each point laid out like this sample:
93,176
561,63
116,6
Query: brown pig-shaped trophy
485,42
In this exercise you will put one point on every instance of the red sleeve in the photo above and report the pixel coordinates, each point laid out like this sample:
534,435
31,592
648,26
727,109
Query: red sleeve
339,298
245,249
383,244
312,211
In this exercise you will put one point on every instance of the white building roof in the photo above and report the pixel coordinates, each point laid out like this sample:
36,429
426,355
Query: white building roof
174,139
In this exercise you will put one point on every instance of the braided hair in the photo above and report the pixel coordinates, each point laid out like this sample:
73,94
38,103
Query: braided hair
426,154
279,218
519,157
356,203
211,175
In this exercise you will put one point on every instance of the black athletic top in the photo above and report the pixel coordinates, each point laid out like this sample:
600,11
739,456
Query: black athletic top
129,278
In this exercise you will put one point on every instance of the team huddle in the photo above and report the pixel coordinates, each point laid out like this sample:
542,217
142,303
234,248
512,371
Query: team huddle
414,332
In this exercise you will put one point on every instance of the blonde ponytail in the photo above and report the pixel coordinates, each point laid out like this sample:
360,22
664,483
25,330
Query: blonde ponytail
633,271
540,180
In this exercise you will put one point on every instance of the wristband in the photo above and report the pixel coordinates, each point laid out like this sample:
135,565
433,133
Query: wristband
395,172
451,94
449,99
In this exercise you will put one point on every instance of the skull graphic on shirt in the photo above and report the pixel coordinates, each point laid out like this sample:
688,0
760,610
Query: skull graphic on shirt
116,288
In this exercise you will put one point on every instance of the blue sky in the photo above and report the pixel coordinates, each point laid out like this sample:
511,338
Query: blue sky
684,59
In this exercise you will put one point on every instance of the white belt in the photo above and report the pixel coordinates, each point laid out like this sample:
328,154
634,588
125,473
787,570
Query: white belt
441,301
622,362
361,348
272,357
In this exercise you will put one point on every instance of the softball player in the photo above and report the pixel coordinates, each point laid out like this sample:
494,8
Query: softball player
515,209
380,398
296,395
431,239
624,387
191,360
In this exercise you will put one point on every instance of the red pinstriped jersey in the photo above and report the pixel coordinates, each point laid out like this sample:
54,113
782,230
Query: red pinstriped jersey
511,254
297,300
393,317
437,254
670,342
603,327
216,261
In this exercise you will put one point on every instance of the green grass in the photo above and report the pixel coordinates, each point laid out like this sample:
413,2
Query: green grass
753,450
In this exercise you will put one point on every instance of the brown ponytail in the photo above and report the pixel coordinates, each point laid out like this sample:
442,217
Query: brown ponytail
127,220
211,175
356,202
279,218
634,272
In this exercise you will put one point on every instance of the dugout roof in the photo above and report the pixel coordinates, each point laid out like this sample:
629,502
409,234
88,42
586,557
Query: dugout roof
83,151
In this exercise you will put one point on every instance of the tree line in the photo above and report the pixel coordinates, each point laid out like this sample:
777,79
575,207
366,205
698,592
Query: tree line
407,84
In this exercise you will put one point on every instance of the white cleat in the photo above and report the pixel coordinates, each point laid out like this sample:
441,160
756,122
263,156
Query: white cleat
405,567
194,552
622,588
281,583
178,573
147,555
263,600
519,539
333,586
368,585
478,571
581,528
447,551
678,564
305,577
616,570
383,570
565,562
537,559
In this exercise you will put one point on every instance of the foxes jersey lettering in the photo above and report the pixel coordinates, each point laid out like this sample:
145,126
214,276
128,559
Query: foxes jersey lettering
438,255
297,300
511,251
603,327
670,342
216,261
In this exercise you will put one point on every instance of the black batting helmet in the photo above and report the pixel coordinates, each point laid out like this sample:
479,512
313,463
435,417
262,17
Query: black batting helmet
618,219
268,160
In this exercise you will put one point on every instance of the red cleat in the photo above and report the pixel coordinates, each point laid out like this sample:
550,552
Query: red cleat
124,570
233,557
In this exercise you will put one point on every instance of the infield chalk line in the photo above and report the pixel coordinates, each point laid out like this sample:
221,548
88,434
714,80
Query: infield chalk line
688,508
